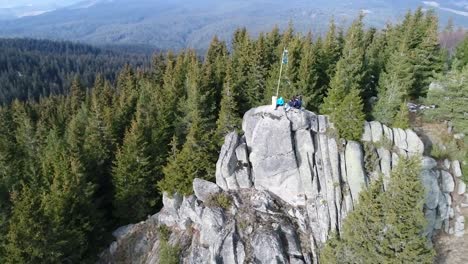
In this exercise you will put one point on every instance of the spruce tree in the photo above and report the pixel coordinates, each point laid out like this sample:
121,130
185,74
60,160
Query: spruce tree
72,220
343,102
404,218
308,75
77,94
240,65
360,231
427,55
348,116
461,54
401,119
132,177
385,227
194,160
332,49
197,157
26,240
374,63
213,72
229,119
257,74
395,86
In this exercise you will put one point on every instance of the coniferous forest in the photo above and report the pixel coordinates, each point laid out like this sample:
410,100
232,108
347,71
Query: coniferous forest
32,68
82,152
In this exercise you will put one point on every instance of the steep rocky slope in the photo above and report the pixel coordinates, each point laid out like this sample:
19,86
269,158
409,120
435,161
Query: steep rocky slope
281,189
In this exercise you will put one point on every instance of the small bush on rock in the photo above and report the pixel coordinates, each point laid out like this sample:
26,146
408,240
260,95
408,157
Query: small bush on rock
220,200
169,254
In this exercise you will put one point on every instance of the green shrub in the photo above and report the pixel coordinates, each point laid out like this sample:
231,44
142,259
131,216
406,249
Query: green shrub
164,232
168,254
220,200
384,143
439,152
371,158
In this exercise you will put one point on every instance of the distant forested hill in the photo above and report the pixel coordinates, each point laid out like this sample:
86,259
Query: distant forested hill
178,24
33,68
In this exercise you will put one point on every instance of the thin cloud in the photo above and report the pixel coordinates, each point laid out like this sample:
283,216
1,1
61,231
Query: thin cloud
431,3
451,10
458,12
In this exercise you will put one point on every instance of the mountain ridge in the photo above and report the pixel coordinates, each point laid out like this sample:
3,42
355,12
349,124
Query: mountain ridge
179,24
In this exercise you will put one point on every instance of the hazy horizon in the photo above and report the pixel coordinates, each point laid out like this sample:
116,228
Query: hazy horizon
19,3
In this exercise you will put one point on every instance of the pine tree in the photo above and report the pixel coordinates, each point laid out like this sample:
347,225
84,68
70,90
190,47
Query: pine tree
213,73
72,219
349,69
197,157
451,100
401,119
360,231
126,102
394,87
77,94
332,49
229,119
374,63
257,74
348,116
308,76
461,54
240,65
158,68
428,56
132,177
27,232
385,227
195,160
404,217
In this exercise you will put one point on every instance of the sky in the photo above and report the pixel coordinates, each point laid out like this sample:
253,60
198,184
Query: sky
15,3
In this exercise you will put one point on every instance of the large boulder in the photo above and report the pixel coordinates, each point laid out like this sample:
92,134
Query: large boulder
461,187
204,189
415,144
448,184
399,136
430,183
267,247
459,226
428,163
272,154
367,134
243,170
213,221
300,119
456,168
227,161
377,131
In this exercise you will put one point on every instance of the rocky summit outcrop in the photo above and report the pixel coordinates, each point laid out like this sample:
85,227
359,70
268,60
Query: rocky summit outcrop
282,187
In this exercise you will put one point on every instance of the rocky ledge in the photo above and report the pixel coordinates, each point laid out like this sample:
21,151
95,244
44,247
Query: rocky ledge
281,189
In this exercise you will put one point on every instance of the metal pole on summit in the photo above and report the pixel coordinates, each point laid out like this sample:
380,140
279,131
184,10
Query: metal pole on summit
284,60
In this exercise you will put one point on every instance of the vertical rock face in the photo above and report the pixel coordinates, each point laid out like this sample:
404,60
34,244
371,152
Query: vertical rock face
355,168
284,186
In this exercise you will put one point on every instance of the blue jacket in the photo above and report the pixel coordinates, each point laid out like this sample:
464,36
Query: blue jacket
280,101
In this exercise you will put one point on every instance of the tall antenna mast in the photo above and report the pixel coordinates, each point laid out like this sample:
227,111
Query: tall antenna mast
284,60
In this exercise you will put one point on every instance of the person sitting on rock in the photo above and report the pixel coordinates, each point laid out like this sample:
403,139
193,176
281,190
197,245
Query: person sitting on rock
290,103
298,102
279,102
